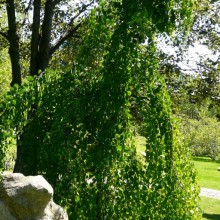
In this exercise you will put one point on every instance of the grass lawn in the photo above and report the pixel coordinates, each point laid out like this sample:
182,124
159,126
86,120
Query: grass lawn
208,173
209,177
210,208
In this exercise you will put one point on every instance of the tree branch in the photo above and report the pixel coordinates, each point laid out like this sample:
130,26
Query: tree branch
26,12
84,7
57,2
4,35
64,37
68,34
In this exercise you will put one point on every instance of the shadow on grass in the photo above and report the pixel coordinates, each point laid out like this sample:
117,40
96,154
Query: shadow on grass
211,216
204,159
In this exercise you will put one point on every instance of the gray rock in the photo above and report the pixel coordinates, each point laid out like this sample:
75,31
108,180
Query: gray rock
28,198
5,213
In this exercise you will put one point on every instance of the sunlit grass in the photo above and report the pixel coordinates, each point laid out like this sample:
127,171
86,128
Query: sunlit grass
209,177
208,174
210,208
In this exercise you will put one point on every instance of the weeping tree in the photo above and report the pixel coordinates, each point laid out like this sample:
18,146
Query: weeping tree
80,136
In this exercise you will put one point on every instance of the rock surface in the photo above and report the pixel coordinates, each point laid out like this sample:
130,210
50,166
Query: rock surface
27,197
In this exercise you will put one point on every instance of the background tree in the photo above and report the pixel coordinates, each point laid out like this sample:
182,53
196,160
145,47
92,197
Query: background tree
200,128
199,71
36,29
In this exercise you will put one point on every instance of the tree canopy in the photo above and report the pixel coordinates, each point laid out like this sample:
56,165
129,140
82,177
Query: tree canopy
34,30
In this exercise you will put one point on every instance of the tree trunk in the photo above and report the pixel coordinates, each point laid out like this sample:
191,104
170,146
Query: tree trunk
13,43
35,38
41,52
40,55
18,168
14,54
44,47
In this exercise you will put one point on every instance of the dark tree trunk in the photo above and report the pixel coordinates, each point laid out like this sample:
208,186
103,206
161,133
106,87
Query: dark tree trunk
40,55
18,168
14,54
41,52
44,47
35,38
13,43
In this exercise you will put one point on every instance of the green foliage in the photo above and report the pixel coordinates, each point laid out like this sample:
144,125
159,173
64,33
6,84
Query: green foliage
167,158
4,73
206,86
75,126
201,132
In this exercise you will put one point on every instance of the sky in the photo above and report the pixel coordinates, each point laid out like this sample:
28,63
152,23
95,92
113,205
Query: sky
194,56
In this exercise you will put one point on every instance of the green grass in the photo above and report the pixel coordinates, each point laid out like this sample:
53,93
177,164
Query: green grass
209,177
208,174
211,208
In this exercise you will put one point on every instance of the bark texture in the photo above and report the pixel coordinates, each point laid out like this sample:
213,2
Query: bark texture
13,43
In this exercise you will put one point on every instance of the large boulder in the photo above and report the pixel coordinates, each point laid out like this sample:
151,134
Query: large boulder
27,197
